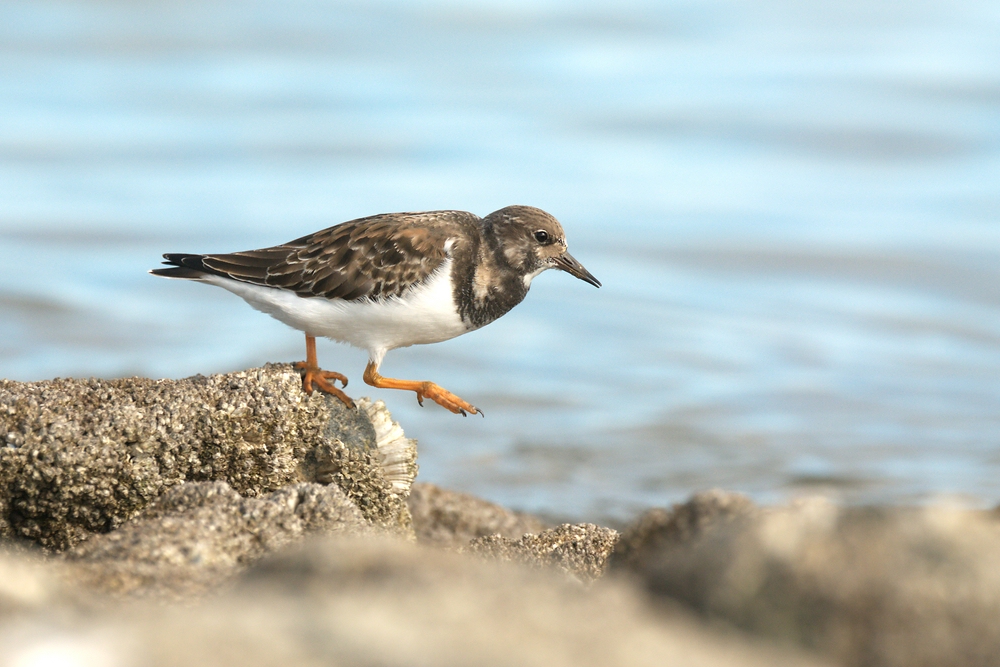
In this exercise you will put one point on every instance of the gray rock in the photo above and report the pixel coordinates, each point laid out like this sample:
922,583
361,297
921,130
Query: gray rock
79,457
386,602
198,535
452,519
580,550
890,587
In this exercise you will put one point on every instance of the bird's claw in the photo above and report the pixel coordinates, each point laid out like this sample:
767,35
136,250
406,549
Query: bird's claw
446,399
319,375
315,376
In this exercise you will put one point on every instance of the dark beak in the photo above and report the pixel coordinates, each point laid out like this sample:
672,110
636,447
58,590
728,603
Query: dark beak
575,268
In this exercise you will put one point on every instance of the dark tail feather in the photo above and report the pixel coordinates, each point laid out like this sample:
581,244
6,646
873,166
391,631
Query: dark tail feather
182,265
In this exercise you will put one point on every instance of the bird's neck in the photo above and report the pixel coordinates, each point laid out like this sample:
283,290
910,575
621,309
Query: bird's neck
487,285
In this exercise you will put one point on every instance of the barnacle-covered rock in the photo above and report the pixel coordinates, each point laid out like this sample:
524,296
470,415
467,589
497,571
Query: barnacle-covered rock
198,535
81,457
357,602
580,550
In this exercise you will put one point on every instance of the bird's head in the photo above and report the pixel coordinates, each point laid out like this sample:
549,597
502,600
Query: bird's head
533,241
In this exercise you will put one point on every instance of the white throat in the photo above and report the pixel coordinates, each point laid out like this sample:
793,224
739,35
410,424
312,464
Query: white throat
528,277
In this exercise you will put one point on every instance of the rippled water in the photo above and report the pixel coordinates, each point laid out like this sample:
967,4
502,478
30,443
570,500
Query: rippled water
793,207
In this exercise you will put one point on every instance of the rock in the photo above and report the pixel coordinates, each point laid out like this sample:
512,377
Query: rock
197,535
657,530
451,519
173,489
579,550
358,602
888,587
81,457
27,582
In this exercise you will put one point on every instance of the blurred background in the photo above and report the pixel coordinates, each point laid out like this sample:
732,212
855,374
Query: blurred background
793,207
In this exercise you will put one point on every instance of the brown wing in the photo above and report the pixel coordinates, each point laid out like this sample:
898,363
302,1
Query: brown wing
376,257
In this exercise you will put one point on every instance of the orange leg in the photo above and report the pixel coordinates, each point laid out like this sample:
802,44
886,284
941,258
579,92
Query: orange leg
314,375
442,397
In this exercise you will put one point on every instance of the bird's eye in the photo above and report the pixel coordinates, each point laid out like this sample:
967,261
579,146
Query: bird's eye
542,236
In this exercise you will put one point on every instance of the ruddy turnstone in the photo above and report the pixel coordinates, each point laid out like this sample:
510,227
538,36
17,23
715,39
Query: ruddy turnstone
392,280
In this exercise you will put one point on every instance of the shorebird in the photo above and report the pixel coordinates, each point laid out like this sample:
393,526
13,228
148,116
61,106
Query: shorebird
390,281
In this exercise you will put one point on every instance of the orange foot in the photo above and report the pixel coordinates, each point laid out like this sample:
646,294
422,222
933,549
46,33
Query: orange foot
439,395
316,376
445,399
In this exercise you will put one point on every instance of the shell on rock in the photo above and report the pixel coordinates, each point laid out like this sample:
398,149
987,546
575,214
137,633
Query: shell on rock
397,453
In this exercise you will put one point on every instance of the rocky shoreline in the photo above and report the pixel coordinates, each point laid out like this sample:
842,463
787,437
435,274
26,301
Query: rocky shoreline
232,520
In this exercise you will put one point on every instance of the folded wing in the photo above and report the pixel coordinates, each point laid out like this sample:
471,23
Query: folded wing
370,258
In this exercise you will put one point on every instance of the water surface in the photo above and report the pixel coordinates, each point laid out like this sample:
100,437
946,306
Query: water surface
793,207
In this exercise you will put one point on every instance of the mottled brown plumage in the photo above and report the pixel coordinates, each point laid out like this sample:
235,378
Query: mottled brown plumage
377,257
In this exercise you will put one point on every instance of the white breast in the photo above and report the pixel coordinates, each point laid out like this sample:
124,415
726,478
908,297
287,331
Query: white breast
426,314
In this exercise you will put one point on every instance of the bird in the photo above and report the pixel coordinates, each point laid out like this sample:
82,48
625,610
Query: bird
392,280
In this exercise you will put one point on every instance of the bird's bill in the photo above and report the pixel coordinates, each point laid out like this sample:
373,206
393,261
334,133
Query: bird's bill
567,263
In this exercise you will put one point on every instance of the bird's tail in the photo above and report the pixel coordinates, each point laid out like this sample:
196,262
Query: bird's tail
188,267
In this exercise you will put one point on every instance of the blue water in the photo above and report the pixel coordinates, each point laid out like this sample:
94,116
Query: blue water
793,207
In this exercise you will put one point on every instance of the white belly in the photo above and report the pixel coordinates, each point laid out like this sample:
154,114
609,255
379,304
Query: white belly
426,314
